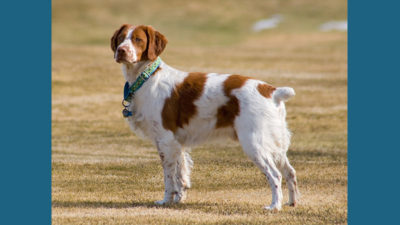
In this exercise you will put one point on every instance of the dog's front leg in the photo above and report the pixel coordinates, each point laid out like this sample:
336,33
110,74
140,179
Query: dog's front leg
183,169
169,153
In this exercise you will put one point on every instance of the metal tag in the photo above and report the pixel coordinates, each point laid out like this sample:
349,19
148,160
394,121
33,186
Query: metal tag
126,113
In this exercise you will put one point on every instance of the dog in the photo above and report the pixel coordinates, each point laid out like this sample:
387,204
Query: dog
177,110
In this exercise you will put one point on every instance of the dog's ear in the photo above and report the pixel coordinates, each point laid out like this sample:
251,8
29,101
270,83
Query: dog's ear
114,38
156,43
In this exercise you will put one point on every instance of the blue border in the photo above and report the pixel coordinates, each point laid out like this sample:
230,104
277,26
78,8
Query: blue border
25,92
374,111
25,118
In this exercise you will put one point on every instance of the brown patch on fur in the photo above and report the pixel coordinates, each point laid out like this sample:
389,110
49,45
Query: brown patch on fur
265,90
156,43
226,114
233,82
140,41
119,36
148,42
179,108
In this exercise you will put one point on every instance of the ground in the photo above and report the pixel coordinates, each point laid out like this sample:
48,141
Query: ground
103,174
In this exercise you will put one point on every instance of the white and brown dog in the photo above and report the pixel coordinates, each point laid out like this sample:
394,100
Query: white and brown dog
177,110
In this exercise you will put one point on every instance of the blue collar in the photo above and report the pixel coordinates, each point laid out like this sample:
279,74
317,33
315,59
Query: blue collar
129,91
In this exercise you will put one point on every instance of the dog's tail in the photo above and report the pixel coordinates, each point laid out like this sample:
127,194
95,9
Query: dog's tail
283,94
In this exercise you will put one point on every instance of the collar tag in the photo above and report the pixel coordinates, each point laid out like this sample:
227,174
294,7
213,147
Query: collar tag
126,113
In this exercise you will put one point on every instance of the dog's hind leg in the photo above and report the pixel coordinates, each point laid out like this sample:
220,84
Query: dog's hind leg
291,181
183,170
262,157
169,151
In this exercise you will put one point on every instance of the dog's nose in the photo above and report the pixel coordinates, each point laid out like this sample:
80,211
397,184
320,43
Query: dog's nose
121,54
121,51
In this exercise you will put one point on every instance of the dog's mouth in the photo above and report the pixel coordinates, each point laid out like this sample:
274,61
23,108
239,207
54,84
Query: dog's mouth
123,57
120,60
124,60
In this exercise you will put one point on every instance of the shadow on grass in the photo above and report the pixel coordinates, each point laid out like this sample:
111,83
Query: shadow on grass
100,204
224,208
328,156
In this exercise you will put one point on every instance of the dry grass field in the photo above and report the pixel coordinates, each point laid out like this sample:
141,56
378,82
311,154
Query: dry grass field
104,174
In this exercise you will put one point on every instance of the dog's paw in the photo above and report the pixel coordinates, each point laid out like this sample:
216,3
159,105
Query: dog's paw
161,202
180,197
292,204
273,207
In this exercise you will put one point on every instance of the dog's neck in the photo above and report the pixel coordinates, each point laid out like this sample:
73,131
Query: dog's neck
132,71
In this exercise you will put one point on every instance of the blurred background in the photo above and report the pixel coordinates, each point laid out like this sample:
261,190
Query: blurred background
217,25
102,173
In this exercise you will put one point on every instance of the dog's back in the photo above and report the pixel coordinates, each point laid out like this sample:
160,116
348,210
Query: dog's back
209,106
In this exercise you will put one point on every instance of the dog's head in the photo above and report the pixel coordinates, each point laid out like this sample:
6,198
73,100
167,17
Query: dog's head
132,44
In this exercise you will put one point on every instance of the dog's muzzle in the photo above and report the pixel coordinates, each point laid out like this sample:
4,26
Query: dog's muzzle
122,55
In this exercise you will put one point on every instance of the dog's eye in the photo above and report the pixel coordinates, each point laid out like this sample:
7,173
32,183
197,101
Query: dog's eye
120,39
138,40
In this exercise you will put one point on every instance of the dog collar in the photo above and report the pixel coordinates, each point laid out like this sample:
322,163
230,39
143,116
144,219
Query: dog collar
129,91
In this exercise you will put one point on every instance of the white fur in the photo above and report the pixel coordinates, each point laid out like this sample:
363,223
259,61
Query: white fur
260,127
283,94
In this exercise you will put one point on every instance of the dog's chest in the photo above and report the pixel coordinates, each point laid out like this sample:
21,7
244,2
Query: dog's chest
146,112
139,122
148,102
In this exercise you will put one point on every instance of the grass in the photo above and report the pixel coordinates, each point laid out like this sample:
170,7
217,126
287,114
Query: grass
104,174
